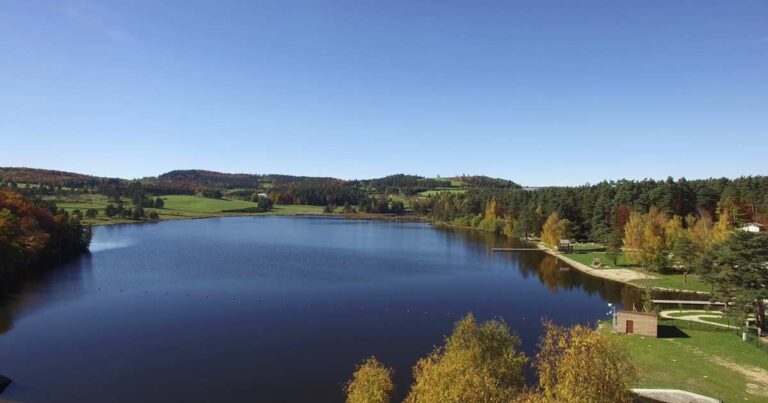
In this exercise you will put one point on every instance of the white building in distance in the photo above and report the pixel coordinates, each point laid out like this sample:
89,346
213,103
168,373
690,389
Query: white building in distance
753,227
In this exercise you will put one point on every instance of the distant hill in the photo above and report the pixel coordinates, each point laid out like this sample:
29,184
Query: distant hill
227,180
486,182
49,177
192,181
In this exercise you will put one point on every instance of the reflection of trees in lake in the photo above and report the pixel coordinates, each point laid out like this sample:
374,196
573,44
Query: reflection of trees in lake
25,295
553,273
557,276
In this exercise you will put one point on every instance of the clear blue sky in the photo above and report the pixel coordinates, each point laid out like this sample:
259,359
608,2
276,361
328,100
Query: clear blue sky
540,92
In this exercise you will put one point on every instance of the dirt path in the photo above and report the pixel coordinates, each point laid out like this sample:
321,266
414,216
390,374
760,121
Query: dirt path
757,378
697,317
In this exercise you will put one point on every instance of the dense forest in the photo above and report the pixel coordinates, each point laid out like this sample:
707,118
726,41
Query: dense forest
595,211
34,234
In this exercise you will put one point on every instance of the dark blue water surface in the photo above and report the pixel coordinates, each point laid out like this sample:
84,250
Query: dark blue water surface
268,308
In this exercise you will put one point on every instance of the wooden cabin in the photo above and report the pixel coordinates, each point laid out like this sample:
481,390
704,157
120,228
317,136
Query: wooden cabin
642,323
565,246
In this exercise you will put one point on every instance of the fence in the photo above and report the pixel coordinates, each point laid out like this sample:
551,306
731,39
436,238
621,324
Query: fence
669,327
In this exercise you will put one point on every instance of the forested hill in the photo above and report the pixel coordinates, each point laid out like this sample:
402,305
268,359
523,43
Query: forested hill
197,181
50,177
228,180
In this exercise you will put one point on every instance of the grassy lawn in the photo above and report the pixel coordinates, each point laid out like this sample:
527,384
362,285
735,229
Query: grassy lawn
585,253
585,256
707,316
676,281
709,362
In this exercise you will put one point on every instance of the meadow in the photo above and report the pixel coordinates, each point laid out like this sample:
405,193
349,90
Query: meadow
435,191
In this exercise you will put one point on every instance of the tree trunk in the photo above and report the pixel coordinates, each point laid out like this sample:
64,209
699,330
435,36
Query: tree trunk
760,314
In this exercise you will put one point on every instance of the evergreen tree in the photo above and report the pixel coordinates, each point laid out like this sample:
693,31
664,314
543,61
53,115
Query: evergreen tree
738,270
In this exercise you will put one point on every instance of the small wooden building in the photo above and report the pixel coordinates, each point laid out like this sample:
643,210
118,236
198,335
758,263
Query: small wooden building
565,246
642,323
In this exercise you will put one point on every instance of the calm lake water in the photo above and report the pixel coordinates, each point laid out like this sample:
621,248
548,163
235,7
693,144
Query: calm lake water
268,308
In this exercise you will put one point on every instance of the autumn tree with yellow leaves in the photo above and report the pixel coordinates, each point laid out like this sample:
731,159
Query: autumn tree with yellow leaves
579,364
479,362
371,383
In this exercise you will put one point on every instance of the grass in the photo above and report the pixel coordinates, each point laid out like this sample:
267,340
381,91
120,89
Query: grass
678,314
707,362
585,256
719,319
195,204
676,282
585,253
294,209
706,316
435,191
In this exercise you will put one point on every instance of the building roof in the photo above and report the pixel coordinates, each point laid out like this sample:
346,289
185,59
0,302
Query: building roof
756,224
654,314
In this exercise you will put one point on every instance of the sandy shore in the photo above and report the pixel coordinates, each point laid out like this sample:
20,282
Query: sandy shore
620,275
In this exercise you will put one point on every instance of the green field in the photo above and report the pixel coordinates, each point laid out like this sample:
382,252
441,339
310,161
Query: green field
435,191
195,204
177,207
294,209
455,182
714,363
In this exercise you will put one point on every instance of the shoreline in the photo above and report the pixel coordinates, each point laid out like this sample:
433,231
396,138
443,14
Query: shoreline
356,216
624,276
618,275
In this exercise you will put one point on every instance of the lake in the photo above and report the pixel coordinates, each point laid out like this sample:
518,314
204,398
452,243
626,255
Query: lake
269,308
